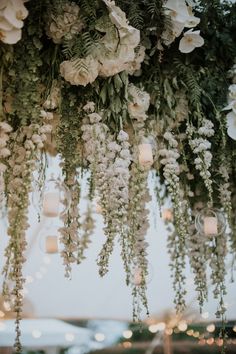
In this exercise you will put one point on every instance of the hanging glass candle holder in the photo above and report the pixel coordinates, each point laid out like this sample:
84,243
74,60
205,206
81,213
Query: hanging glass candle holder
210,222
53,199
49,239
167,215
136,275
145,156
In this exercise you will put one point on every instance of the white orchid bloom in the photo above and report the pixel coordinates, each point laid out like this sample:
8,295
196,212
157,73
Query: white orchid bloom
231,123
191,40
192,21
177,10
12,14
4,24
15,12
232,92
231,106
10,37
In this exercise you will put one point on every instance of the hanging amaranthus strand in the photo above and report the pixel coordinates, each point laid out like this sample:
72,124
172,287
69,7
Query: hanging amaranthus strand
24,147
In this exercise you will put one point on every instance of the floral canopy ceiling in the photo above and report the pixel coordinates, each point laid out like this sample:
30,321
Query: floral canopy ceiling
120,90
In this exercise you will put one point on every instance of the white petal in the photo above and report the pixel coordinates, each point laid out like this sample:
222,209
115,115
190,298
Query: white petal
10,37
231,105
177,28
20,8
4,24
172,4
3,3
10,15
198,41
185,46
231,123
192,21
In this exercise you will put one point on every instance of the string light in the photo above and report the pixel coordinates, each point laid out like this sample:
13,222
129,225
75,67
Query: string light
169,331
210,341
157,327
182,326
127,334
127,345
211,328
190,332
100,337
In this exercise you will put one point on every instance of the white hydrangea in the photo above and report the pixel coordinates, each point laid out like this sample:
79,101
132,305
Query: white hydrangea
80,72
67,24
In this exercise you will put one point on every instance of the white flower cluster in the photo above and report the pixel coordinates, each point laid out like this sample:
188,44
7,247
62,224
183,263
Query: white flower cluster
198,261
217,251
177,241
25,145
224,189
117,194
231,115
169,160
69,232
135,258
12,14
5,129
114,54
67,24
201,146
182,16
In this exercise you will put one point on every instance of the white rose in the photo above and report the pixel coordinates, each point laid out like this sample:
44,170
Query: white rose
80,72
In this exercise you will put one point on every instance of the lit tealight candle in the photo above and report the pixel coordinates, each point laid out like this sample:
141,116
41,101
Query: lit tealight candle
51,203
98,208
145,155
210,225
167,215
51,244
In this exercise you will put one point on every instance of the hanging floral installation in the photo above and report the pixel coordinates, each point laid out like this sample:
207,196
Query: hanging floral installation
120,90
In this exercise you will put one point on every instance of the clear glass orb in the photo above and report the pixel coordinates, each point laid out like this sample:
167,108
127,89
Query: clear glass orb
49,239
53,200
210,222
